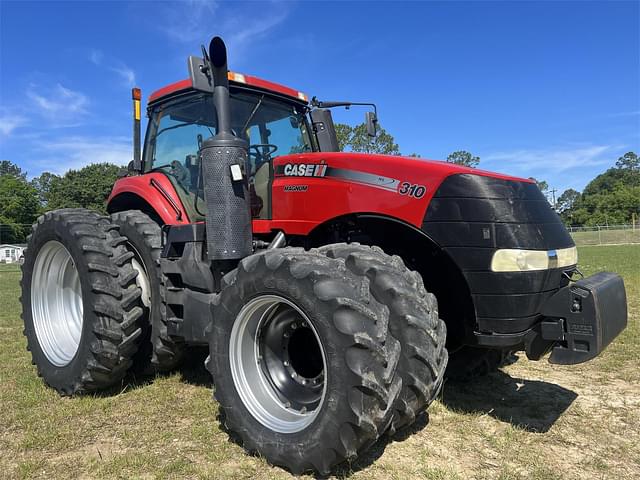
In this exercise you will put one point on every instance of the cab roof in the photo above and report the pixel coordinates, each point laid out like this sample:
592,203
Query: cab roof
234,78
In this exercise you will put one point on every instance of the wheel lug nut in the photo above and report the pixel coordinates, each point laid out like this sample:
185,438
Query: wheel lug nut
286,363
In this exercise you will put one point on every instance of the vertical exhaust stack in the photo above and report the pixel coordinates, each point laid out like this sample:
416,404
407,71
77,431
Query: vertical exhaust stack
224,163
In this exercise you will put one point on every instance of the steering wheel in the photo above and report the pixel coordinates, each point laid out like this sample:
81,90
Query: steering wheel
262,153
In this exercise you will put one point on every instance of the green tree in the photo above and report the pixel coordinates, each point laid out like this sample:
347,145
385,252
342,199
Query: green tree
43,185
18,207
356,139
343,133
10,168
542,185
613,197
87,187
464,158
629,161
567,200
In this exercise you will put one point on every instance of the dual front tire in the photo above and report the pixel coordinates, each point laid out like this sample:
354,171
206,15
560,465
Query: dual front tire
309,358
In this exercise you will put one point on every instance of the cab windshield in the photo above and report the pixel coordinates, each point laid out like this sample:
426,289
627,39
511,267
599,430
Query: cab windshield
271,128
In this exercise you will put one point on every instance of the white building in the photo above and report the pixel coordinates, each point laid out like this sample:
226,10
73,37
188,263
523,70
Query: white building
11,253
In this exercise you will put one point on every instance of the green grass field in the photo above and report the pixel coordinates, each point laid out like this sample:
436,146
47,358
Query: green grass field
531,420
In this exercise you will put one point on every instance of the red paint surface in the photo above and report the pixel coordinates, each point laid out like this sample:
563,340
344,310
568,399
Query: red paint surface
327,198
140,185
249,80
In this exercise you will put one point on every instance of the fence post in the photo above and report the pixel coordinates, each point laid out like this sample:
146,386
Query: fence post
599,236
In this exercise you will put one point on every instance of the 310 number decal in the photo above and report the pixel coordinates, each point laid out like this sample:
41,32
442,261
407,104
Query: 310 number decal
412,189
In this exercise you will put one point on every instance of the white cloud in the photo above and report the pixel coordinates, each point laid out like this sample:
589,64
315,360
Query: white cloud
96,56
186,21
73,152
113,64
571,166
552,159
127,74
240,24
9,122
61,105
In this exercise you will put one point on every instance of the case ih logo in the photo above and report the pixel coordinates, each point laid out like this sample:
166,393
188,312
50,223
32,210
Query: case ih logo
305,170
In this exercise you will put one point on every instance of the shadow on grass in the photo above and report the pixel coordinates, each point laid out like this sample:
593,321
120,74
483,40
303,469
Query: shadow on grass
192,371
529,404
532,405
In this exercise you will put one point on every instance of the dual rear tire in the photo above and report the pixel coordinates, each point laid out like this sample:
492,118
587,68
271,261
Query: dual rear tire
80,301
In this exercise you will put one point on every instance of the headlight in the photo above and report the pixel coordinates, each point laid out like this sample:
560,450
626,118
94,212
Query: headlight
516,260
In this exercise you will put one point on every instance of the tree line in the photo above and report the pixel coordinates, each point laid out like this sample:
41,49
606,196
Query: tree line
22,200
613,197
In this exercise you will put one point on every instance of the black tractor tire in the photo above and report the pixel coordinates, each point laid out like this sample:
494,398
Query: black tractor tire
158,351
352,330
413,320
96,257
469,363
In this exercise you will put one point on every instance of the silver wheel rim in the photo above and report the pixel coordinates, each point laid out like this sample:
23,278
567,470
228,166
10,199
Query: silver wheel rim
268,340
142,279
56,303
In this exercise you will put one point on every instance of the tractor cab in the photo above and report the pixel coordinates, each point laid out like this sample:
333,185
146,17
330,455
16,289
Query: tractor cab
271,121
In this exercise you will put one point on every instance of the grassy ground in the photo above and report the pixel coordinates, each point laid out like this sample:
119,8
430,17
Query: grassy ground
532,420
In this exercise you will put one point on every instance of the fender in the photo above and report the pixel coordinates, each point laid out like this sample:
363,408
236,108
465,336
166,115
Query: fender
156,190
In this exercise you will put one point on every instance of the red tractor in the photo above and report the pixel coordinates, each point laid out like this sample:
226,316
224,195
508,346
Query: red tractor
331,288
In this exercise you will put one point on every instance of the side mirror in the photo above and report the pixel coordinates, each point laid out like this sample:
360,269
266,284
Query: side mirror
371,120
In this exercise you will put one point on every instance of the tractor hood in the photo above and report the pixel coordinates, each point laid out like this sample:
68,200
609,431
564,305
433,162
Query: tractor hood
336,184
389,167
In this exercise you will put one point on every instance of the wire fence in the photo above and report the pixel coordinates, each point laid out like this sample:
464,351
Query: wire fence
605,235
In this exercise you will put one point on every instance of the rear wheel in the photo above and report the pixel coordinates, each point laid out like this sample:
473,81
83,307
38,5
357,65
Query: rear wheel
158,351
80,302
304,368
413,320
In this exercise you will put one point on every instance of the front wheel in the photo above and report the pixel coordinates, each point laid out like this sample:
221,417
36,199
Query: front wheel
303,365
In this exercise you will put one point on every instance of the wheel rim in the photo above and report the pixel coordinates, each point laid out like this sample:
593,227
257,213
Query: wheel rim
142,279
278,364
56,303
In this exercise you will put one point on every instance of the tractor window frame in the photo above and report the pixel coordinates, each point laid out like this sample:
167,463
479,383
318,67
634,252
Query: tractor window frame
149,146
147,156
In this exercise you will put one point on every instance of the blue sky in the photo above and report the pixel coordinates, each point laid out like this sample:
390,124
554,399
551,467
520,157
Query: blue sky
544,89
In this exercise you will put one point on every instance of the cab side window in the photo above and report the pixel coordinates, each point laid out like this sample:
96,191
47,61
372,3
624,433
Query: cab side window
174,136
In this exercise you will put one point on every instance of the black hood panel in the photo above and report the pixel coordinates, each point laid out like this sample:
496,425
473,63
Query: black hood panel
471,216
